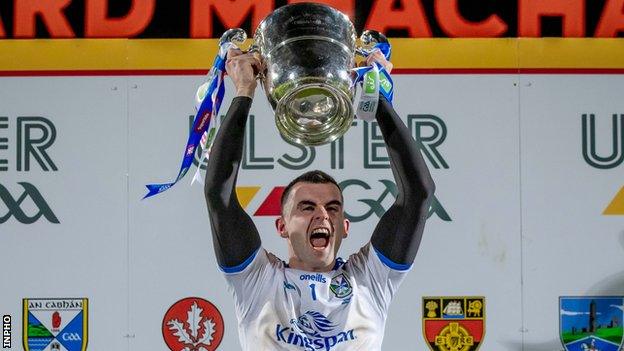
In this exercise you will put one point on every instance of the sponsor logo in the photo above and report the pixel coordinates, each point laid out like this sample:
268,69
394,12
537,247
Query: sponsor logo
312,331
190,149
14,205
384,83
193,324
6,331
591,323
370,82
318,277
55,324
454,323
340,286
367,106
204,119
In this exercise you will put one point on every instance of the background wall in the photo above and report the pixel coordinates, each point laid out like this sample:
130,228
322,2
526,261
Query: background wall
528,209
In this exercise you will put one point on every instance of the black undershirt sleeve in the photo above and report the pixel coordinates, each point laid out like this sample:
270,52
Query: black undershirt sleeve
234,235
399,231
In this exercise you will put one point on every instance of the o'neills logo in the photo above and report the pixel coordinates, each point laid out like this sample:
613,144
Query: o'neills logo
312,331
318,277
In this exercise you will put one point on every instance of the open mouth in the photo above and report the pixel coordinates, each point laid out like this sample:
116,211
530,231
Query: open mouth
319,238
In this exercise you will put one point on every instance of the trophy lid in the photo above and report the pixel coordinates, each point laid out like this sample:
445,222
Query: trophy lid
301,20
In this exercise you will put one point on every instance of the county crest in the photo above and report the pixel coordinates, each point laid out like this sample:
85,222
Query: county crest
454,323
591,323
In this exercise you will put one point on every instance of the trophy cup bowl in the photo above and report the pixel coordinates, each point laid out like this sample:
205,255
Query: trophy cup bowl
309,51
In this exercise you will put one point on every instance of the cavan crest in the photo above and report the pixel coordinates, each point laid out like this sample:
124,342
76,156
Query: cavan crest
591,323
193,324
55,324
454,323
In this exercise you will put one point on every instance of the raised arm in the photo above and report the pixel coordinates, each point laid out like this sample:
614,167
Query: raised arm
234,234
399,231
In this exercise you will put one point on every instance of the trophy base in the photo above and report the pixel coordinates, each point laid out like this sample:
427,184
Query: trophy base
313,114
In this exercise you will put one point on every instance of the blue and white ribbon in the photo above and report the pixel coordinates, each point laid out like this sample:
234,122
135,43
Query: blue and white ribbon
374,79
207,110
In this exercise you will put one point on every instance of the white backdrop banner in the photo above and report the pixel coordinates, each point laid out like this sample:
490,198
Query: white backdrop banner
528,210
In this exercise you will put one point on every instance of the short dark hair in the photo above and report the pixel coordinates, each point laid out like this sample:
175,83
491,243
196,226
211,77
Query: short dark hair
316,177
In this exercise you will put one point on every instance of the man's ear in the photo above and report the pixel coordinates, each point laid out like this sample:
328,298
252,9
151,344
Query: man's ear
346,227
280,225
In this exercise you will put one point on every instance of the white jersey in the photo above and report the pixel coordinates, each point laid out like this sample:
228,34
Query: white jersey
280,308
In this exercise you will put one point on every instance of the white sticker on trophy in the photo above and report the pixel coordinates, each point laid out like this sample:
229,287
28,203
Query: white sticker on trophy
367,107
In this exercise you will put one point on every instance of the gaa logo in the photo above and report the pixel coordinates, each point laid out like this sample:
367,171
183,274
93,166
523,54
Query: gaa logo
193,324
369,198
35,135
15,209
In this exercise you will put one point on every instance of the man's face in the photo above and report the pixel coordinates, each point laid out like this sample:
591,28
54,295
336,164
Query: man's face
313,222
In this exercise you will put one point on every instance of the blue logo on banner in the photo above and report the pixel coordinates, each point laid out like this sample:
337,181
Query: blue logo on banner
591,323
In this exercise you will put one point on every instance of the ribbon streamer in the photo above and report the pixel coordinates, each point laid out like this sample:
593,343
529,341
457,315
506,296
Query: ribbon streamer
374,79
208,109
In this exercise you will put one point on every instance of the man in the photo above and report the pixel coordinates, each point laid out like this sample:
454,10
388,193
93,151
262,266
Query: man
315,301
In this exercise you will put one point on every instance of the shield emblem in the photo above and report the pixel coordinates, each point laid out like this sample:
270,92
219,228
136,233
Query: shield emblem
340,286
454,323
55,324
591,323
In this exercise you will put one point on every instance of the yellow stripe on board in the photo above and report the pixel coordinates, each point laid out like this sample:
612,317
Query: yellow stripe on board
197,54
445,53
571,53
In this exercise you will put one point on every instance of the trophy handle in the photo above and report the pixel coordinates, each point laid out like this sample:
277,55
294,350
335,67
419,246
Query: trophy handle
369,38
237,36
255,49
234,35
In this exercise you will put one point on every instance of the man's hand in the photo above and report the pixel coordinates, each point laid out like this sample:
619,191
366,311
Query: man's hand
377,56
242,68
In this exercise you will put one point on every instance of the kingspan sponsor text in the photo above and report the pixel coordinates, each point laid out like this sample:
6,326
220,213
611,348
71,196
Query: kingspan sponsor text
289,336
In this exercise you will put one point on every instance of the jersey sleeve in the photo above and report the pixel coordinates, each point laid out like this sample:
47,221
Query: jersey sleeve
380,276
251,280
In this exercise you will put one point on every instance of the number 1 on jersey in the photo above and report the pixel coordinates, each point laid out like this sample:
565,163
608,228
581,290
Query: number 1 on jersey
312,287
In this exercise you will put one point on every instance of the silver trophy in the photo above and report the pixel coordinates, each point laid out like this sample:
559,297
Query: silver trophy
309,51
